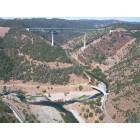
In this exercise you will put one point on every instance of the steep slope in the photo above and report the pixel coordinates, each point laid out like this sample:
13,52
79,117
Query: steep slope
71,27
124,79
105,51
3,31
77,42
6,115
33,45
29,57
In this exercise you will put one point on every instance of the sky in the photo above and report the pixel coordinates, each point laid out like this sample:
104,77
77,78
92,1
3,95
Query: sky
72,9
129,19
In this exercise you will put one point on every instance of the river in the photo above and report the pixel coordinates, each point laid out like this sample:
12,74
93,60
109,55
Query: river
67,115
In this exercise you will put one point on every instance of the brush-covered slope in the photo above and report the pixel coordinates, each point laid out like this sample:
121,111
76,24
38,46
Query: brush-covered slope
106,50
61,36
6,115
28,57
78,42
124,78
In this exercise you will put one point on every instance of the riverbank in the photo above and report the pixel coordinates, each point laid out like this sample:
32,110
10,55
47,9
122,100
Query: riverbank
75,114
57,106
46,114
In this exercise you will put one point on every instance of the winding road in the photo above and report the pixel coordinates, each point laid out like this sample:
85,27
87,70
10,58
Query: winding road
18,114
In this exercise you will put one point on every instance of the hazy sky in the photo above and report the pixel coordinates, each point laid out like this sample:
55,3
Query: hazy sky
130,19
71,8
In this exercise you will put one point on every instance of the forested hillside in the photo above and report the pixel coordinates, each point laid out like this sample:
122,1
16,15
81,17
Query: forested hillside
55,23
71,27
25,56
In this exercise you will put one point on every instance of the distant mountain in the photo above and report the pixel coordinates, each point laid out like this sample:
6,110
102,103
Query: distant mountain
128,25
61,36
53,23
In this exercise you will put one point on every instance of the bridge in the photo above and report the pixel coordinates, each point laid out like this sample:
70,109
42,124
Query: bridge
53,30
100,90
101,87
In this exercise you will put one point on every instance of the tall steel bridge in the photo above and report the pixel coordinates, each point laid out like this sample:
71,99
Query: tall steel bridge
52,31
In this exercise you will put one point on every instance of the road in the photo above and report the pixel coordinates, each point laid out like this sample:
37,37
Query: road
16,112
99,89
107,118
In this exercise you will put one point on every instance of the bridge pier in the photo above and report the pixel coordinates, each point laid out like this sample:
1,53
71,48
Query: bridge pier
84,40
52,39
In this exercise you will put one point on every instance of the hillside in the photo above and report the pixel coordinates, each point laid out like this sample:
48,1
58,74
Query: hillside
6,115
77,42
71,28
29,57
29,63
117,53
106,50
54,22
124,78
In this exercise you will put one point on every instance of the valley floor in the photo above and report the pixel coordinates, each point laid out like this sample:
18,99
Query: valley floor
38,87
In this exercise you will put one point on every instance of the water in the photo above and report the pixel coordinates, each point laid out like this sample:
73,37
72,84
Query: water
68,117
59,106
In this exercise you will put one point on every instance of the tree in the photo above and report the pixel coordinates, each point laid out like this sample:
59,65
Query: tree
80,87
90,114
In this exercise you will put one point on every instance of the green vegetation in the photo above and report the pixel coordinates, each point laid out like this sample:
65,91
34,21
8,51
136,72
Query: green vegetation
128,26
124,82
61,36
136,79
6,115
85,115
1,40
82,97
41,73
34,46
132,117
67,118
98,72
44,52
30,118
136,34
101,117
21,96
118,87
13,66
80,87
55,22
6,66
4,108
98,57
92,102
90,114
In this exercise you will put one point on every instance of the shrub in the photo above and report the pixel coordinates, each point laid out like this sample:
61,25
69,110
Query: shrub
80,87
85,116
90,114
